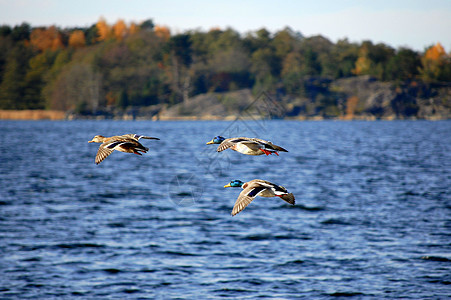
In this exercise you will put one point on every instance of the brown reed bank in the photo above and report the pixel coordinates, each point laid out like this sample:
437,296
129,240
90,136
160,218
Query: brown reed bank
32,115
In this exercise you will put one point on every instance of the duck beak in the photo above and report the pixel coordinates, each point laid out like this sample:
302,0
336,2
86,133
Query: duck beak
210,142
227,185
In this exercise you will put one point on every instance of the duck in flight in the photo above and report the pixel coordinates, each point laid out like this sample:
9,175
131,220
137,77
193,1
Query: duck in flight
248,146
258,187
128,143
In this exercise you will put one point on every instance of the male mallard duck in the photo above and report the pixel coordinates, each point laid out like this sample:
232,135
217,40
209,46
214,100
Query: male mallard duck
249,146
127,143
257,187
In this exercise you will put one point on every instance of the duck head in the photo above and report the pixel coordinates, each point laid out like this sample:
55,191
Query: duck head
216,140
97,139
234,183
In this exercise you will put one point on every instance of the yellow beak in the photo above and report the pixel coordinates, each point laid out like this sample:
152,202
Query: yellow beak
90,141
210,142
227,185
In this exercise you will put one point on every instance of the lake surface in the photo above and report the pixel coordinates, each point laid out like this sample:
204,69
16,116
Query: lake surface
372,217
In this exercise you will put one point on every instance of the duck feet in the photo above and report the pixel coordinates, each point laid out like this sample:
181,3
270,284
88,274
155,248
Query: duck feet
268,152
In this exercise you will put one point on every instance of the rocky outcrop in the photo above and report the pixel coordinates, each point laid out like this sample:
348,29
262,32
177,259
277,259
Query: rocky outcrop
360,97
385,100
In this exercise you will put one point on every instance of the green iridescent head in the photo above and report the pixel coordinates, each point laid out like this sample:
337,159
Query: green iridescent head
216,140
234,183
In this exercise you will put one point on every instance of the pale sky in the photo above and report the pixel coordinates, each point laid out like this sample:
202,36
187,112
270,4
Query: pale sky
415,24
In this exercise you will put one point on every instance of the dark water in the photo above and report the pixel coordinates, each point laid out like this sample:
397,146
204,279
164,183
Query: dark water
372,219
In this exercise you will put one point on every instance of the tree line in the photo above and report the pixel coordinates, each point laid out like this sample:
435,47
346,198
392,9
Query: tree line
122,65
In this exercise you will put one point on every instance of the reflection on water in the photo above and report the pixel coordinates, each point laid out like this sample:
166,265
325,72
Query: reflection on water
372,218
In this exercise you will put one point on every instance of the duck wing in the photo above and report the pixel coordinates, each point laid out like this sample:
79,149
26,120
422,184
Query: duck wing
138,136
277,190
246,196
107,148
250,190
227,143
268,145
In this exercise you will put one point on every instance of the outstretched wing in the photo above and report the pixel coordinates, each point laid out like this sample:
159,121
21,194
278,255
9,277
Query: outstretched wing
246,196
137,136
106,149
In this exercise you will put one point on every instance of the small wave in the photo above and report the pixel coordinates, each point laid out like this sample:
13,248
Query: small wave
264,237
234,290
116,225
148,270
436,258
257,237
291,263
309,208
178,253
112,270
333,221
292,237
345,294
131,291
79,245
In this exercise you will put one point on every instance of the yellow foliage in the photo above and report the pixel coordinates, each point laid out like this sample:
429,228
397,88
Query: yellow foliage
214,29
363,63
432,61
436,52
162,32
120,29
103,30
77,39
44,39
133,28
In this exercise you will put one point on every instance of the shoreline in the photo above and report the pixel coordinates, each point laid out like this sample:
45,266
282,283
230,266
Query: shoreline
36,115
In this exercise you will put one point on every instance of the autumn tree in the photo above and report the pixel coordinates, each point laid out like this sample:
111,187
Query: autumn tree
134,28
77,39
363,62
433,62
162,32
46,38
120,29
103,30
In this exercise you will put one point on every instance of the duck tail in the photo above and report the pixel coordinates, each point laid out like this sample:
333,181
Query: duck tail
278,148
288,198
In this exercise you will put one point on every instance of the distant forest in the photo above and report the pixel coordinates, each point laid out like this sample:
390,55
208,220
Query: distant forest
122,65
